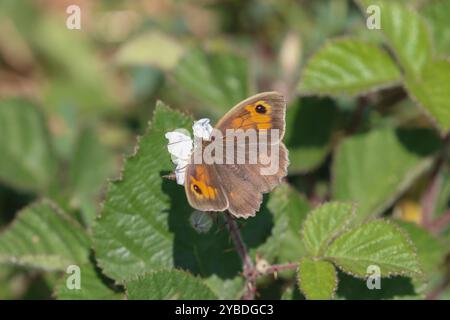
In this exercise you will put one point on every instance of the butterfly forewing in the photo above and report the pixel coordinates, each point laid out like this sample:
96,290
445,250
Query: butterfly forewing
264,111
203,188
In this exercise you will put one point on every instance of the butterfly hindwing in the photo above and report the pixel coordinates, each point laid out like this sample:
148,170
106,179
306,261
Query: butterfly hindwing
244,184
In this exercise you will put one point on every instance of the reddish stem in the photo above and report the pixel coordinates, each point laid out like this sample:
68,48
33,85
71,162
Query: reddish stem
281,267
440,223
248,268
429,198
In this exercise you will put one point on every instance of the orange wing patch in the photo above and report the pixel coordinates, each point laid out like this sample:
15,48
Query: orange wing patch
201,187
258,114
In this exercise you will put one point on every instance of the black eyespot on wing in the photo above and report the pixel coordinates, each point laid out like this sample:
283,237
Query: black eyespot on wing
197,189
260,109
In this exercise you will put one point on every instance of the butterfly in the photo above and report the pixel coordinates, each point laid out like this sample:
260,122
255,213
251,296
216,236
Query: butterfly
237,185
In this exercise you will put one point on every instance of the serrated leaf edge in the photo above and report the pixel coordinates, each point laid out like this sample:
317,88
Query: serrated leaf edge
389,274
345,228
159,107
17,260
345,92
299,280
176,270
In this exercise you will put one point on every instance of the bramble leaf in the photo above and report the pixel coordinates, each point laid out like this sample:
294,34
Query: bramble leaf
348,66
90,167
432,91
436,13
132,235
92,286
429,249
317,279
27,161
324,223
406,33
377,243
400,155
151,48
168,285
289,210
42,236
218,81
309,127
228,289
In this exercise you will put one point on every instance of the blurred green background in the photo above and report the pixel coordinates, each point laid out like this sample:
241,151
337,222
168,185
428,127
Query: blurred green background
73,101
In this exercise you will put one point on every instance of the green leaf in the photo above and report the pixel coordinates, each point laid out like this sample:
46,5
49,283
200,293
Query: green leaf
436,13
401,155
228,289
432,91
324,223
289,209
91,165
151,48
317,279
378,243
27,160
93,286
397,287
309,125
43,236
441,203
77,74
132,235
406,33
9,277
168,285
348,66
218,81
292,292
430,249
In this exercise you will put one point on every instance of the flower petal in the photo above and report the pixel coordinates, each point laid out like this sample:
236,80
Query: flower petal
180,171
202,129
179,146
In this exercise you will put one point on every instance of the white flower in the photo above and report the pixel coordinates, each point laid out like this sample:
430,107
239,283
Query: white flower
181,146
180,149
202,129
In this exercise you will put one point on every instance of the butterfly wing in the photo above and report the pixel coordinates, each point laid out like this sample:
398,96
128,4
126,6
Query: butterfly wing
263,111
245,183
203,190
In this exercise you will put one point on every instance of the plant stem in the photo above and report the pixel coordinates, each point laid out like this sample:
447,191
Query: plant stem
429,198
440,223
248,268
358,115
281,267
428,201
434,294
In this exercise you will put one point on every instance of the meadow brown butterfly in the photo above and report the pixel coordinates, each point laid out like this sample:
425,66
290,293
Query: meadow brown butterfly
244,146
